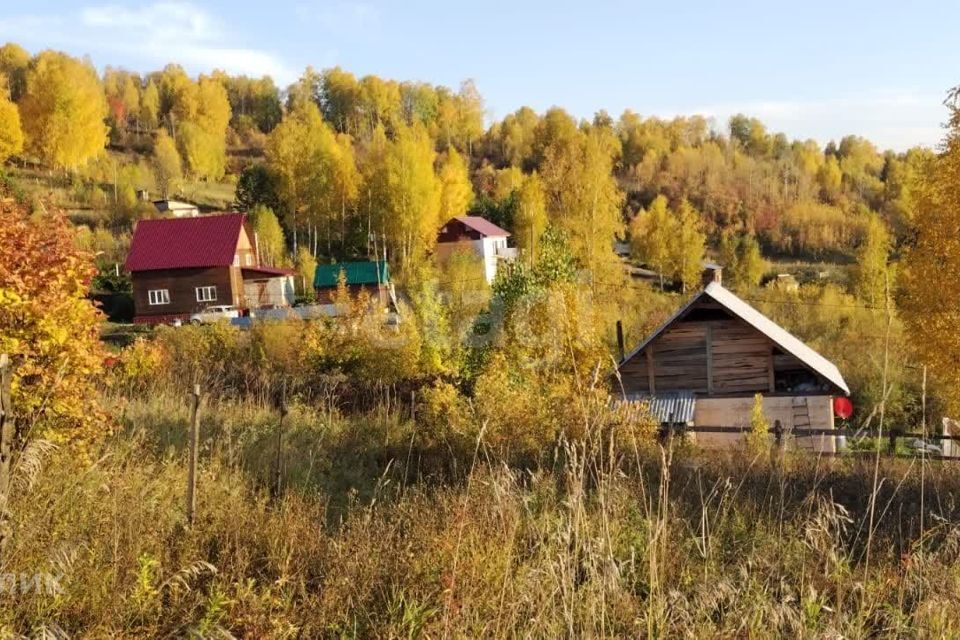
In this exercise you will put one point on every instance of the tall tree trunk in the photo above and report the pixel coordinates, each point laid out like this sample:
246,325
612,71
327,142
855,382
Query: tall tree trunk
294,234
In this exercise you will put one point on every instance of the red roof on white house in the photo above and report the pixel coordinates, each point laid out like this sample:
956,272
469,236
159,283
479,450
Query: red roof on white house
183,243
483,226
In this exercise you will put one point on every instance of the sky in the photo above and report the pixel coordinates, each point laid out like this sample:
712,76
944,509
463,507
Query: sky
812,69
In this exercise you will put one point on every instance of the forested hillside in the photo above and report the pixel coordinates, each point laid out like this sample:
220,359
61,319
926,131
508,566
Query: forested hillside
324,153
463,466
337,167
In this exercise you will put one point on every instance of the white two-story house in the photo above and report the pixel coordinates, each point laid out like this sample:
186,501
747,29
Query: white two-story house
479,235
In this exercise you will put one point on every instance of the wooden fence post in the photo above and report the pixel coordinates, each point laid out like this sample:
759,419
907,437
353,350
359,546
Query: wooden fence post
6,427
778,443
194,450
894,434
620,343
278,480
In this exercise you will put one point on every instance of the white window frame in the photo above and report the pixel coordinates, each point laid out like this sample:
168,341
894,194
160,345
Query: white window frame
207,294
249,258
158,296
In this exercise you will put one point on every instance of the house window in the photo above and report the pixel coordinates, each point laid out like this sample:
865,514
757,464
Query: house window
158,296
206,294
236,259
249,259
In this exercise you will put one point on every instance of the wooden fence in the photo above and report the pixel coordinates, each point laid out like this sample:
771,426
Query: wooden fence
779,438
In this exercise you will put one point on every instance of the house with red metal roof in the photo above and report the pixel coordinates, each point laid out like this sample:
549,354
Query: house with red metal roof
478,236
179,266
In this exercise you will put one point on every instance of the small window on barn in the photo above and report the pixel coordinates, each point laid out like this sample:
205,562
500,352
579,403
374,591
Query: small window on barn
206,294
249,259
158,296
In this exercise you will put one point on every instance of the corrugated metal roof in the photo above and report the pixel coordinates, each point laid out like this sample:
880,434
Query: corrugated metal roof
675,407
483,226
327,275
780,336
180,243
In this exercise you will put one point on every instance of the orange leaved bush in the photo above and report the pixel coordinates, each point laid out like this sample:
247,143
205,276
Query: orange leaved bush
47,325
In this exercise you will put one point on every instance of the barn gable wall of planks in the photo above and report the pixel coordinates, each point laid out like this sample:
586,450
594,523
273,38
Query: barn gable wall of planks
710,352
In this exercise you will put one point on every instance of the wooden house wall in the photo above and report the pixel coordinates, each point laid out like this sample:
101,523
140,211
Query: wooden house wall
246,254
715,355
182,284
741,358
735,412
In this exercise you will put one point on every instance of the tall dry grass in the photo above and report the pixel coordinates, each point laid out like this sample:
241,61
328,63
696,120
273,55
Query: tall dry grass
374,537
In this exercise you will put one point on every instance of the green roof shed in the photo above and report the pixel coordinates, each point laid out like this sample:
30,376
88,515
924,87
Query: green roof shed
327,275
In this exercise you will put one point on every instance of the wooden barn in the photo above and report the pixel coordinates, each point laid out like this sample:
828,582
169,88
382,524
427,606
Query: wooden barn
704,366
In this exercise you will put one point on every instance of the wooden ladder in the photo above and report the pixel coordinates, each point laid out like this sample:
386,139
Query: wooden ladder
801,421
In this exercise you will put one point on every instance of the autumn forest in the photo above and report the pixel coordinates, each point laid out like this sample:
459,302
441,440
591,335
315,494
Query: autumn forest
433,476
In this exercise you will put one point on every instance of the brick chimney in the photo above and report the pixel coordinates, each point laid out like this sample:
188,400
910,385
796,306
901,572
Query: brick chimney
712,272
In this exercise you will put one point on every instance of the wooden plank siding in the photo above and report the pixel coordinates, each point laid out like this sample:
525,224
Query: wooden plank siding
181,285
711,352
741,358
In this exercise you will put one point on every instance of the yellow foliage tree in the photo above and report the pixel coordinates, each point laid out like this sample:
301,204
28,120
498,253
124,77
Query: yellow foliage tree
689,246
758,438
167,168
50,329
150,106
412,193
531,217
202,112
14,62
11,134
269,236
546,353
651,236
930,281
204,155
306,266
63,111
317,173
466,289
583,197
345,181
456,192
506,181
872,274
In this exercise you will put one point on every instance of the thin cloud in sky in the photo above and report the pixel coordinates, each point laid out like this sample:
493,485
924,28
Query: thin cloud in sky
156,33
814,78
890,119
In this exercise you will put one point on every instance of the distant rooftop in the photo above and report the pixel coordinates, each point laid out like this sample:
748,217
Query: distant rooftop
483,226
367,272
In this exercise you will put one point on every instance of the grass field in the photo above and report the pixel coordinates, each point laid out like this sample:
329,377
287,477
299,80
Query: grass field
376,537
